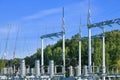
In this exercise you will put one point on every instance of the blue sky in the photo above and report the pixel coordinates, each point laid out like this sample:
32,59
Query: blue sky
37,17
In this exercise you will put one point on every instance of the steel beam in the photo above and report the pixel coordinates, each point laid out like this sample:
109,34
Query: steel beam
105,23
52,35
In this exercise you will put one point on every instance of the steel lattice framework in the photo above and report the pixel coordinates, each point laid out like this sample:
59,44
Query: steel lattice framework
52,35
100,25
105,23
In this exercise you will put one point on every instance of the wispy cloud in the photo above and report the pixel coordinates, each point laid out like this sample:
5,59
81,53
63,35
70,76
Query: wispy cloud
42,14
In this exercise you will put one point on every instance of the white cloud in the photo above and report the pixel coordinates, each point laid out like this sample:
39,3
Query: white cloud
42,14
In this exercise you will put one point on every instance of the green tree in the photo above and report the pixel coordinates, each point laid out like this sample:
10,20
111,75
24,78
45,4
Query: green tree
2,64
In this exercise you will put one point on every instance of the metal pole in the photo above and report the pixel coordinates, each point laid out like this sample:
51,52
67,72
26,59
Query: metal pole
89,39
80,48
63,44
42,57
89,50
64,52
103,54
80,57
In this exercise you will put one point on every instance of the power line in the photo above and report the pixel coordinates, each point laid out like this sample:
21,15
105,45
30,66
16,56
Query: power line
15,43
6,44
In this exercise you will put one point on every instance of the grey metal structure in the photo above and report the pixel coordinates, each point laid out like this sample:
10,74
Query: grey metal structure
103,54
79,66
62,34
51,36
89,39
106,23
42,57
63,42
37,68
75,73
101,25
51,68
42,47
22,69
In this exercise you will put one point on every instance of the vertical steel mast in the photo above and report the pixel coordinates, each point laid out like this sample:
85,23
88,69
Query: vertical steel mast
80,47
89,39
42,57
103,54
63,39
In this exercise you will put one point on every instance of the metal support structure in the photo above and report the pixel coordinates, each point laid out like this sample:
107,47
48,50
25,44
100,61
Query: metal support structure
42,47
37,68
79,49
80,57
63,44
103,54
89,50
42,57
63,53
51,68
22,69
101,25
52,35
106,23
89,40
